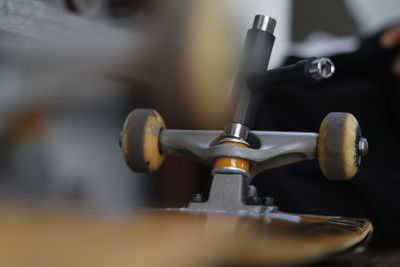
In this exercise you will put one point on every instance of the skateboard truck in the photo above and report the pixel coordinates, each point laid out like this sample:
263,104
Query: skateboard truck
237,154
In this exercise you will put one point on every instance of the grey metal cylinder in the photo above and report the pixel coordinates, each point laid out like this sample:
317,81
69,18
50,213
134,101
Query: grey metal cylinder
256,55
237,130
264,23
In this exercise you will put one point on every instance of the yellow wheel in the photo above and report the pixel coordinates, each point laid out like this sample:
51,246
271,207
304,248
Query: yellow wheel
140,140
340,146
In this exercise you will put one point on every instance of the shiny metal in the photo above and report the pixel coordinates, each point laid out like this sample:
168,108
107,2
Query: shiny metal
321,68
197,198
236,130
231,139
264,23
363,147
230,170
252,191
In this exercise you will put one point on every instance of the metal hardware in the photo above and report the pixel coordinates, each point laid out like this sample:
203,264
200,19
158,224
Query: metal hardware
236,130
304,71
363,147
256,55
321,68
275,148
230,188
252,191
264,23
229,193
232,139
197,198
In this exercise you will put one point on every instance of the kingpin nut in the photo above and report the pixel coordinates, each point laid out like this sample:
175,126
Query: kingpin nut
321,68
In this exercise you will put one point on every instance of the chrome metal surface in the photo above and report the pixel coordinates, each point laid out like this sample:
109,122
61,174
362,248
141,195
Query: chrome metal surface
363,147
252,191
264,23
231,139
321,68
236,130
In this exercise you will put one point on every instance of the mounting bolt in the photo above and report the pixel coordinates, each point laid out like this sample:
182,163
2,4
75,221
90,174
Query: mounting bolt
254,201
267,201
252,191
321,68
197,198
363,147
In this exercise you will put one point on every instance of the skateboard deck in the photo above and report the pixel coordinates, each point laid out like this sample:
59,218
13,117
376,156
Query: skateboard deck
174,237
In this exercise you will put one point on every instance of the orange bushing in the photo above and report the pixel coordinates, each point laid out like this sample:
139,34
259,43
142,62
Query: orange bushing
231,161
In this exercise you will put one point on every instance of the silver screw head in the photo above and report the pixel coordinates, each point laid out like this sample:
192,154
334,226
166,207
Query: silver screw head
252,191
197,198
363,147
321,68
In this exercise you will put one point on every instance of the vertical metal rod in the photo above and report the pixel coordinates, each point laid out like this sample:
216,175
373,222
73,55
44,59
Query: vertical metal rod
256,55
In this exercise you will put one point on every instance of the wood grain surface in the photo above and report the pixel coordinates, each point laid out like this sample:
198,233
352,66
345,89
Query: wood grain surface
171,238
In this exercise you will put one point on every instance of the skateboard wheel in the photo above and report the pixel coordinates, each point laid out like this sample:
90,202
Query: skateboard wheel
140,138
340,146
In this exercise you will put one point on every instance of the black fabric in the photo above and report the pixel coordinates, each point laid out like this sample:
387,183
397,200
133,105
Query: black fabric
365,86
